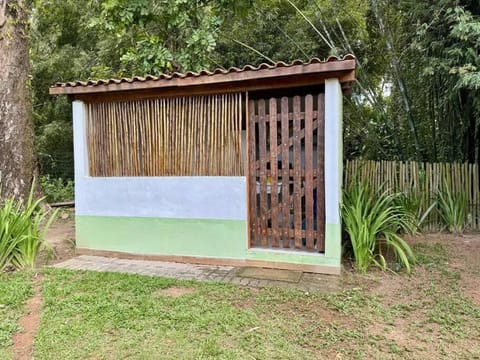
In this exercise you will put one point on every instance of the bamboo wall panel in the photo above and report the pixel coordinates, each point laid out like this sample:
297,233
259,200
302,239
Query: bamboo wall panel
423,180
185,136
285,178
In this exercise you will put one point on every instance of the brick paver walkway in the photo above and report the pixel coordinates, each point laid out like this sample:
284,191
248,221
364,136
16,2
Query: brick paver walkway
308,282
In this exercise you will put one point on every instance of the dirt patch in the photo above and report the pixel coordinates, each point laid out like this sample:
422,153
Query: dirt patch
415,317
466,260
61,237
23,340
175,291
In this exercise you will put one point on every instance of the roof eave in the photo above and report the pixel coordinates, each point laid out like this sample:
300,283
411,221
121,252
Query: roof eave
344,70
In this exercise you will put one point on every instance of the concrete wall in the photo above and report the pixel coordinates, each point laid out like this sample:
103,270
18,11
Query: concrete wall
163,197
333,167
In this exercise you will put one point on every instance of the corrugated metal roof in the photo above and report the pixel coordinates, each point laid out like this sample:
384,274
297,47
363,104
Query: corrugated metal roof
192,74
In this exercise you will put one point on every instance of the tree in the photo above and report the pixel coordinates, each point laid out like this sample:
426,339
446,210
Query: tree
63,47
434,54
426,52
105,39
153,36
17,153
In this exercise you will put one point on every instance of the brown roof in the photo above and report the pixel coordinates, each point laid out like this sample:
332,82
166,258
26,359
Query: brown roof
342,68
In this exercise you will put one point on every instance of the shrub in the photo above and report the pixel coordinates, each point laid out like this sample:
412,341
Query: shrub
23,226
373,222
57,190
413,204
453,209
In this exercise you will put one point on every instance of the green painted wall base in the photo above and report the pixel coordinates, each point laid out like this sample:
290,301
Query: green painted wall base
222,239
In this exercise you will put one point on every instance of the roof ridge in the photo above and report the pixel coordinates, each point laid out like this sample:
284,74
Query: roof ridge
217,71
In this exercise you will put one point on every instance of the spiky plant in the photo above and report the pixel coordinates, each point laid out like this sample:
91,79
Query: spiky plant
413,204
453,209
23,226
373,222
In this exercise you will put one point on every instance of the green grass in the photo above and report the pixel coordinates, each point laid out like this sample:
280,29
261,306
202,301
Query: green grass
15,289
88,315
105,315
111,316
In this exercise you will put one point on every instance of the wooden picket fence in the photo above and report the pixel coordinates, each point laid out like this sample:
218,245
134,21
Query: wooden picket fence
421,179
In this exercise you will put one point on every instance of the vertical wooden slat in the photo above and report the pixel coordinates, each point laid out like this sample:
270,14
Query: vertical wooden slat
176,141
134,138
262,147
476,192
213,115
109,151
200,137
236,137
309,172
191,135
223,135
180,150
115,139
297,175
144,134
121,136
228,131
239,155
203,135
106,141
285,173
97,124
98,133
214,138
252,183
273,171
321,174
155,117
167,134
471,195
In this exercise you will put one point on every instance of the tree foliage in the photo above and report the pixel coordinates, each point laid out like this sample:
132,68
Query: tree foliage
417,95
106,39
62,48
431,50
152,36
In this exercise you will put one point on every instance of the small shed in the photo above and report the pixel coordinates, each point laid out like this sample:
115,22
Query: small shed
227,167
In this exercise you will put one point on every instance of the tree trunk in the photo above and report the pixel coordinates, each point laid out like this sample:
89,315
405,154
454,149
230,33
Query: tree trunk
17,154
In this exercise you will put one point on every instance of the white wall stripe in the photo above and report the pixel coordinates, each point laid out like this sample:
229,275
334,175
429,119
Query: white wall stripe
79,143
164,197
333,150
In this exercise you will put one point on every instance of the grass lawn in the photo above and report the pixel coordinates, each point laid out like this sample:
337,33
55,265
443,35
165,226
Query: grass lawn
88,315
15,289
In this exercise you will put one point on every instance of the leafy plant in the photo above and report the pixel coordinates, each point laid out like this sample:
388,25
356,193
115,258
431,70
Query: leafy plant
373,222
453,209
413,204
23,226
57,189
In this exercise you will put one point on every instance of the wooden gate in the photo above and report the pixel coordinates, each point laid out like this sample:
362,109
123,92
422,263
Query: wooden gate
286,173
